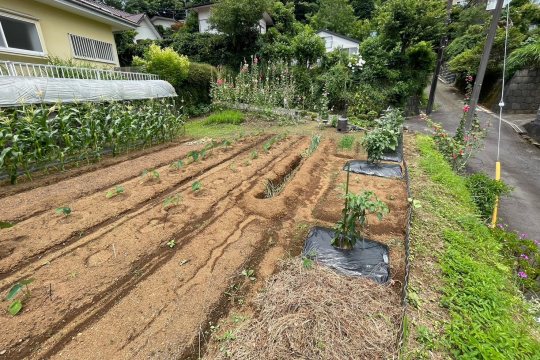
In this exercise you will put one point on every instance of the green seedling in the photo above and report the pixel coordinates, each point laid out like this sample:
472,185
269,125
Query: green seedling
226,143
203,154
266,147
254,154
171,201
249,273
17,304
194,155
64,210
119,189
307,263
227,336
177,165
171,243
150,175
196,186
5,225
415,203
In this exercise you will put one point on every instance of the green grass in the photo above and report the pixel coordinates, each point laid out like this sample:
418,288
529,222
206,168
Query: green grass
488,318
346,142
198,129
225,117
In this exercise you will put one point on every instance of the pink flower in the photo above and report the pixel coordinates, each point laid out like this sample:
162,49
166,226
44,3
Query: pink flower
523,236
522,274
466,108
524,256
220,82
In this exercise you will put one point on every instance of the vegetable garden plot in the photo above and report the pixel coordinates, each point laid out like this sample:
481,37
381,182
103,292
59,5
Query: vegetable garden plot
140,273
390,231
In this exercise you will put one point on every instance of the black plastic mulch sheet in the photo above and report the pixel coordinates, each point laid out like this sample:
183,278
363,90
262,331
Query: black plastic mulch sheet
397,155
367,259
381,170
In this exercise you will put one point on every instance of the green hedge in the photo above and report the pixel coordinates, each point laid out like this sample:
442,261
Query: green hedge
195,90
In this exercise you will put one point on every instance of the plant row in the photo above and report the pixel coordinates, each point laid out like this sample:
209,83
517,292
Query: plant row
35,137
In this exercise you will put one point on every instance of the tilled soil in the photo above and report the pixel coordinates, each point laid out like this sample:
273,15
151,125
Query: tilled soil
126,278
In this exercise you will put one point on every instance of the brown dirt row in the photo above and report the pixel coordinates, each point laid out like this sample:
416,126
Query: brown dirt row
23,205
27,242
217,255
87,280
42,179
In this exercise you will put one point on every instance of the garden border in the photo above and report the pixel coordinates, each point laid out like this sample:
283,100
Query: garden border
404,289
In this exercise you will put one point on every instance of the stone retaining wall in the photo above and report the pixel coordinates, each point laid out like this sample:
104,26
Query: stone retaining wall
522,94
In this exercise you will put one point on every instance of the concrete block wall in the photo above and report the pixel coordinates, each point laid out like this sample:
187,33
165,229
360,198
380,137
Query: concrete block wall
522,94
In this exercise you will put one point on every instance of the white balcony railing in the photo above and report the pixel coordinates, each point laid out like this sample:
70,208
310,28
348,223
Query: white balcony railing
11,68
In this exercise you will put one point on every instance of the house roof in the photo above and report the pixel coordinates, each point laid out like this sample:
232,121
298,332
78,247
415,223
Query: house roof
339,35
135,18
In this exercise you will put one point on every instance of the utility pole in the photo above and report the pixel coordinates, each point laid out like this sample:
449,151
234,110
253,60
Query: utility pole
440,56
483,63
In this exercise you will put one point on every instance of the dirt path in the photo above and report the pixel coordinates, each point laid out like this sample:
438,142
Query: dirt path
125,278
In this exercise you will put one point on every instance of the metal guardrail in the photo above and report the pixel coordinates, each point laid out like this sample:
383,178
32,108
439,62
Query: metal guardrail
12,68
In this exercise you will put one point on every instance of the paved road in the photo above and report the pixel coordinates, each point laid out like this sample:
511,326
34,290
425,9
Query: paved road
520,161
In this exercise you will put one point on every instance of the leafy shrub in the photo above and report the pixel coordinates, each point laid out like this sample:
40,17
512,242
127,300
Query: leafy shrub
384,137
484,191
166,63
225,117
195,89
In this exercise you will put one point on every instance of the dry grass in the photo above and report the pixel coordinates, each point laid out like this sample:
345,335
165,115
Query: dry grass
318,314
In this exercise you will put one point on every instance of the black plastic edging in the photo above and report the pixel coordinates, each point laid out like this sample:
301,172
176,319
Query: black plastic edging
404,289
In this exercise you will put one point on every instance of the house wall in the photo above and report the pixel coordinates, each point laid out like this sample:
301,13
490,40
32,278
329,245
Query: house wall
333,42
204,14
145,31
55,25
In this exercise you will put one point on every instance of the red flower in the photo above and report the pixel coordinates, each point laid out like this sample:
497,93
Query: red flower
466,108
220,82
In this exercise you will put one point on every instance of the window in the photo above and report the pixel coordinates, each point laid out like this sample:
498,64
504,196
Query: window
18,35
90,49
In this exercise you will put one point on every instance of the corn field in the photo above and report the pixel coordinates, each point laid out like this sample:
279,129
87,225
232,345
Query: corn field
36,137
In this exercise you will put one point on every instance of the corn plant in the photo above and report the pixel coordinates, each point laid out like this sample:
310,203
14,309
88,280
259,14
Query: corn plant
17,304
64,210
117,190
38,136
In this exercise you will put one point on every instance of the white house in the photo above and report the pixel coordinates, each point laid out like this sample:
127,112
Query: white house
163,21
204,12
146,30
333,41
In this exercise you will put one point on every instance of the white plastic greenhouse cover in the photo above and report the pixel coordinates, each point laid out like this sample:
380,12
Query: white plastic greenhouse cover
18,90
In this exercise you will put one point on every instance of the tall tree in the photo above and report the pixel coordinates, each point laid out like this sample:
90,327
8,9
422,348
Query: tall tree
363,9
238,18
334,15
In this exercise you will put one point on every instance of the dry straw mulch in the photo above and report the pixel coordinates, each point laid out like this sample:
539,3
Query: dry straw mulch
319,314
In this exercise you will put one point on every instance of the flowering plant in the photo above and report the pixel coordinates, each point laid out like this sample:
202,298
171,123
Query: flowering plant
523,255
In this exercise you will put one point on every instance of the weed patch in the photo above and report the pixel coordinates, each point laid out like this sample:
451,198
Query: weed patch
225,117
488,319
